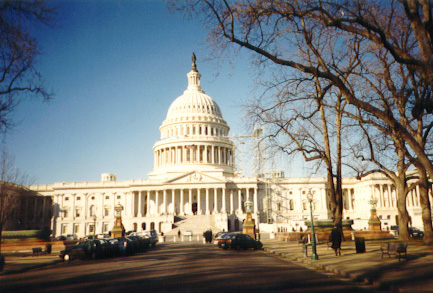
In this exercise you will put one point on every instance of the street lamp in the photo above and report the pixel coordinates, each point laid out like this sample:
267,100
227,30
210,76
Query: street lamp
314,255
94,226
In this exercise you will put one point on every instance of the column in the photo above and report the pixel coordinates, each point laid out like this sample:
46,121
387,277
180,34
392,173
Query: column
102,212
157,202
139,205
73,207
199,202
224,210
239,201
164,204
256,201
190,202
148,203
181,203
215,200
231,202
207,201
248,193
173,203
213,155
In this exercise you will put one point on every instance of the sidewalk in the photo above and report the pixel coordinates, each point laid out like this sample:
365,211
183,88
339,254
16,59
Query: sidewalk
413,274
23,261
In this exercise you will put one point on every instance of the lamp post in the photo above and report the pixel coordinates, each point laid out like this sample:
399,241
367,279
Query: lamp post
314,255
94,226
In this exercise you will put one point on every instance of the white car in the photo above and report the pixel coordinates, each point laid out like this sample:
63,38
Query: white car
188,233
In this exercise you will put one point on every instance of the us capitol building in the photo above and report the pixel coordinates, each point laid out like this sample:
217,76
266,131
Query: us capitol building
194,186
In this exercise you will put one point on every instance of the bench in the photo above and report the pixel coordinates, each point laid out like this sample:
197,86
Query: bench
37,251
397,248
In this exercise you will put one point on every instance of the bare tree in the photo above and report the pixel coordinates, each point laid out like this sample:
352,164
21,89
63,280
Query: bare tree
11,181
274,30
19,76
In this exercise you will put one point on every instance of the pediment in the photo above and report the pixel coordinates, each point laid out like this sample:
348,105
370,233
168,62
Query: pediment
194,177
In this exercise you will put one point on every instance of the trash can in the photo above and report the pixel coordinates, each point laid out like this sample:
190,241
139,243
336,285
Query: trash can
360,244
48,248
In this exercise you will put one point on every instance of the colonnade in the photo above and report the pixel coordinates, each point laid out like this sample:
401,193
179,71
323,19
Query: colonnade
190,154
194,129
193,201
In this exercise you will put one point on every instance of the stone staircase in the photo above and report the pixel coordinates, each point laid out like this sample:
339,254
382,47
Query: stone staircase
197,224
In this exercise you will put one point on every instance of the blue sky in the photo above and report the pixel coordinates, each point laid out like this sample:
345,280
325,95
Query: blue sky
115,67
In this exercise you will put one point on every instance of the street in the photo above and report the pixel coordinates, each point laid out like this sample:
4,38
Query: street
177,267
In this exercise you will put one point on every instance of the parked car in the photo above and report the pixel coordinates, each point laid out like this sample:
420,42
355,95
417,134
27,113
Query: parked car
218,237
188,233
143,243
152,236
415,232
126,246
240,241
77,251
71,237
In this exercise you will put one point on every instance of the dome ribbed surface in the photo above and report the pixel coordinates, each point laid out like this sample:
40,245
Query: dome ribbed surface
193,102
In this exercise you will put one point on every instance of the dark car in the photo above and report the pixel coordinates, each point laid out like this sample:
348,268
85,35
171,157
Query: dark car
77,251
100,248
415,232
218,236
240,241
126,246
142,243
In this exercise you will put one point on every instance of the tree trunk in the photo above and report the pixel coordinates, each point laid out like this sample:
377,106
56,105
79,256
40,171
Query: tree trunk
425,207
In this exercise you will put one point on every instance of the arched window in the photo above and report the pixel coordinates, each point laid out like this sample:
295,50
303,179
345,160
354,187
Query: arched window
92,211
291,205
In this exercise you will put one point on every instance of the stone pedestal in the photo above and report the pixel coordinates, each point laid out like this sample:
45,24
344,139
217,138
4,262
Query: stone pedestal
374,222
249,226
118,229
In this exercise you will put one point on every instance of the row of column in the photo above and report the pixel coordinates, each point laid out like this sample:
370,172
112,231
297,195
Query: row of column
206,154
195,130
157,202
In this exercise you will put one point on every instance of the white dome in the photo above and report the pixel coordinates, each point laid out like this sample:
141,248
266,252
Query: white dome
193,103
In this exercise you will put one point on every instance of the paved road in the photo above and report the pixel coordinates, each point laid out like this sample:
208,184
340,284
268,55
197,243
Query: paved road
178,268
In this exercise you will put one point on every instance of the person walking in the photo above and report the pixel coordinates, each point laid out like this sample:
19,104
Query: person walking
178,234
335,238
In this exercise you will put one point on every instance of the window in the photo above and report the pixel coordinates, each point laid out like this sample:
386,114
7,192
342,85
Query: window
76,229
304,206
91,228
65,212
79,198
77,213
106,211
105,227
107,197
118,197
64,228
92,211
291,205
93,198
66,198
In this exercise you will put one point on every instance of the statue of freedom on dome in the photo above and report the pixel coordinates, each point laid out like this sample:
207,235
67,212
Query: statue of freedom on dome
193,62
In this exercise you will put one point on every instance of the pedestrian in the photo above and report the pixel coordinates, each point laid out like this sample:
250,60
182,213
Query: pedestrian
178,234
335,238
